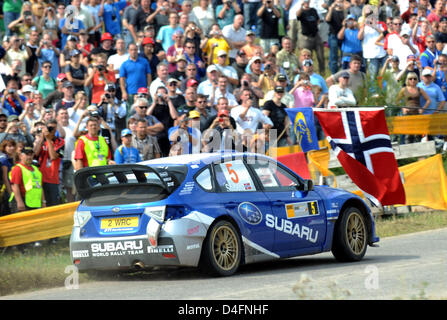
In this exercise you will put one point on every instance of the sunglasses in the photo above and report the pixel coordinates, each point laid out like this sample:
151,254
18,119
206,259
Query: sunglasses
143,107
412,78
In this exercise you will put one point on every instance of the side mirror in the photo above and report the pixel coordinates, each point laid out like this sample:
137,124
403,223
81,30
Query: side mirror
308,185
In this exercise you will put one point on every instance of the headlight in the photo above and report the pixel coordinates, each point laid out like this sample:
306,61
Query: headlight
158,212
81,218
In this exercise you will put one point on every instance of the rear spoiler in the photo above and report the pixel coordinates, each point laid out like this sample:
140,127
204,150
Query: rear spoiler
87,180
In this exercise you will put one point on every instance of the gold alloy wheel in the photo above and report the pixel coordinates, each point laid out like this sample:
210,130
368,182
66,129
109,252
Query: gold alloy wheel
356,232
225,247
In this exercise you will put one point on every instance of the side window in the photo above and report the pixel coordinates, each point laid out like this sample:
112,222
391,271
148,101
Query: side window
204,180
273,177
233,176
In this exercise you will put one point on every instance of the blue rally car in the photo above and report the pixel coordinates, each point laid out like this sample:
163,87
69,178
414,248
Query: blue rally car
213,211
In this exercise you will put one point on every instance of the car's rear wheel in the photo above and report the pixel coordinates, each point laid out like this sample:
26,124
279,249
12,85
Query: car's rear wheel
350,236
222,249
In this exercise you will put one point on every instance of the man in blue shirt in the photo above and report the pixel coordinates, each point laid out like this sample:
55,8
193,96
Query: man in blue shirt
135,73
351,44
12,103
433,91
125,153
110,11
165,33
430,54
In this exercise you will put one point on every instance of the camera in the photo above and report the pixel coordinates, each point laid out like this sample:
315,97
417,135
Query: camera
107,95
94,114
11,91
51,129
245,83
39,130
100,68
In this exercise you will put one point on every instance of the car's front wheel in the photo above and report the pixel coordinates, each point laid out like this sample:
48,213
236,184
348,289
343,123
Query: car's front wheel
350,236
222,249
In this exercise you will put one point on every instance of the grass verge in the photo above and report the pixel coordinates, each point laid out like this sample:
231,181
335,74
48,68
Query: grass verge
44,267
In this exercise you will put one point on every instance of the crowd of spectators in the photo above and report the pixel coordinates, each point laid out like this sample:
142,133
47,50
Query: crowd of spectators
95,82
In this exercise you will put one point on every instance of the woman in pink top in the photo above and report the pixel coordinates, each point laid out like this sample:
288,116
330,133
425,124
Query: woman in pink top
302,92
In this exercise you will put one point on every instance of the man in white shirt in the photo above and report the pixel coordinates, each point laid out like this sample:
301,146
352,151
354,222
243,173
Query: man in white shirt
235,34
227,71
206,87
339,94
116,60
248,117
222,91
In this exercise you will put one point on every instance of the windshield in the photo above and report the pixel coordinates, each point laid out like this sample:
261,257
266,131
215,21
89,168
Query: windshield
118,185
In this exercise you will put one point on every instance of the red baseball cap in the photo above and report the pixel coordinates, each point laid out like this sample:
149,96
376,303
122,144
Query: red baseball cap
106,36
61,77
223,113
148,40
143,90
191,82
29,101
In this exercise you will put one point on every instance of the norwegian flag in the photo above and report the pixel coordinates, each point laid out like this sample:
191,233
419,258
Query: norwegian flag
360,140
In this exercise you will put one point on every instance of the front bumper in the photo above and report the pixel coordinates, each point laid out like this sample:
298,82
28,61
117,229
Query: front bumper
179,244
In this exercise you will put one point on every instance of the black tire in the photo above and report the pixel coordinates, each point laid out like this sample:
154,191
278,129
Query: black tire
350,236
222,250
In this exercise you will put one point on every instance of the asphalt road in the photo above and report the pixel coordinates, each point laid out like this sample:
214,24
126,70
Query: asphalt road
404,267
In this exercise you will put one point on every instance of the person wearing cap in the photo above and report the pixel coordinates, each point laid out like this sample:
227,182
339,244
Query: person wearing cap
68,99
110,11
166,33
268,15
240,63
125,153
92,149
252,49
275,110
224,69
134,73
339,94
173,95
49,150
186,134
44,83
75,71
206,87
287,59
280,81
106,46
391,86
180,63
148,53
26,183
434,92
